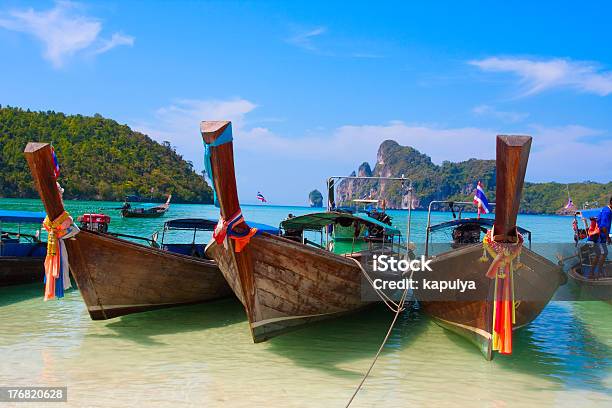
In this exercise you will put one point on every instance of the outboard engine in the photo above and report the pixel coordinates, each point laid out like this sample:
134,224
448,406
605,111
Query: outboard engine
94,222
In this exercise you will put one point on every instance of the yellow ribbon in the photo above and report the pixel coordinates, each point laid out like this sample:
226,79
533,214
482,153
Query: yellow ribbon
54,229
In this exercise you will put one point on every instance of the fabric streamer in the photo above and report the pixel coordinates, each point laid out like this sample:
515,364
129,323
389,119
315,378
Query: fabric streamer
57,269
506,260
226,228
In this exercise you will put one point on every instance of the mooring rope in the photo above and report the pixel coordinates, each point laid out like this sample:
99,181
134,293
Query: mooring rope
397,313
382,295
399,307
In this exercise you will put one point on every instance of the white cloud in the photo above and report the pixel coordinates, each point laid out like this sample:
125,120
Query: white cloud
287,168
540,75
305,39
116,40
179,123
63,31
508,117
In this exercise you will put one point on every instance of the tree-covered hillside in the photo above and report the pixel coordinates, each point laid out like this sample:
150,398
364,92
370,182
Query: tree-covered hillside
99,158
456,181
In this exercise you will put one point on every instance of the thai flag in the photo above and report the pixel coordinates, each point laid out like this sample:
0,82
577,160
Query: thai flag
261,198
56,169
480,200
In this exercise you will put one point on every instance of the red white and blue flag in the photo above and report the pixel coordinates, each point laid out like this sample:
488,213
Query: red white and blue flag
56,169
261,198
480,200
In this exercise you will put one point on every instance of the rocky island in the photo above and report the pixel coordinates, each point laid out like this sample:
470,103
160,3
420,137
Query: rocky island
315,199
452,181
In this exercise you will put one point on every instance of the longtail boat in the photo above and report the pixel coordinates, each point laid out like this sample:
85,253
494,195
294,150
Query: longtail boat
283,282
512,284
142,212
21,254
116,276
588,284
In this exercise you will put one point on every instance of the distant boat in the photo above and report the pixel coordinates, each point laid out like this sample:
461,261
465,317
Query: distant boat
118,277
142,212
523,290
579,270
21,255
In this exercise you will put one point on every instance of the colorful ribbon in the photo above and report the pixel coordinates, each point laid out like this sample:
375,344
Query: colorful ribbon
57,269
506,259
226,228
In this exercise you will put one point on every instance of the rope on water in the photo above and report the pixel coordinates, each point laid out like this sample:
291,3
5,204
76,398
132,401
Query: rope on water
398,310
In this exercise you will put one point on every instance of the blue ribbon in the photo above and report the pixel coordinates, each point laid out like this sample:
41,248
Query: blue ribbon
225,137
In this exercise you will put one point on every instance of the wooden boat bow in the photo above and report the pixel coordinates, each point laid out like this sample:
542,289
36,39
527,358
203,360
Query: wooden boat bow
511,165
40,159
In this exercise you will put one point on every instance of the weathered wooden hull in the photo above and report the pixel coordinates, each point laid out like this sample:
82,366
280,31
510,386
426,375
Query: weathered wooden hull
117,277
470,314
21,270
129,214
591,289
284,284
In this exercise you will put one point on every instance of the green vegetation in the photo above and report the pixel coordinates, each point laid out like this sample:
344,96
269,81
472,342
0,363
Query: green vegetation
457,181
99,159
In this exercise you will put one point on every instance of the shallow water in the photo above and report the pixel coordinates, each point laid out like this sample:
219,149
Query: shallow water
203,355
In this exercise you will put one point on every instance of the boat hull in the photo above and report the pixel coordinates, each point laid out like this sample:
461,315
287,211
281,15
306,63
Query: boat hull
128,214
21,270
284,284
591,289
117,277
470,314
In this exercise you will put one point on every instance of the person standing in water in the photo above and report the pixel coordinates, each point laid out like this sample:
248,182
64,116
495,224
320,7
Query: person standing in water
601,246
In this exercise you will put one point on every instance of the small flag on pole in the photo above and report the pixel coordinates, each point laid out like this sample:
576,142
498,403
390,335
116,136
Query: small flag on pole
261,198
480,200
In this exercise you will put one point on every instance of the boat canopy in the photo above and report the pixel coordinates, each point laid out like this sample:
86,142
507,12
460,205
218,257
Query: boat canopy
203,224
22,217
591,212
190,224
317,221
263,227
363,200
486,222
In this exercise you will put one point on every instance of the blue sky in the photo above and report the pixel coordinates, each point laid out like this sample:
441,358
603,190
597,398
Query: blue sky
314,87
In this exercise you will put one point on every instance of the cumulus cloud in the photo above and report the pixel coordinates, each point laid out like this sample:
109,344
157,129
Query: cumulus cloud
63,30
179,122
540,75
266,159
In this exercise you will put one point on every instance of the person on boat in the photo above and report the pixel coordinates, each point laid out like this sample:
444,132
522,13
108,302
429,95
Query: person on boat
601,246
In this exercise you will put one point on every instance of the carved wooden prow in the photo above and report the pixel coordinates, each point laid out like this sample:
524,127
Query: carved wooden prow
40,161
222,163
511,165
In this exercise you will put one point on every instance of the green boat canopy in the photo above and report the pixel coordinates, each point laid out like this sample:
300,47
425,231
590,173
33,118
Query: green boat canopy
316,221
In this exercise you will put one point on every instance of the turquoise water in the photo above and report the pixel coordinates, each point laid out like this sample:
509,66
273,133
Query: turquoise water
203,356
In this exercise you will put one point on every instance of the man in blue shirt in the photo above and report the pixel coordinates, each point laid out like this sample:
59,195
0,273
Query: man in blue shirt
601,247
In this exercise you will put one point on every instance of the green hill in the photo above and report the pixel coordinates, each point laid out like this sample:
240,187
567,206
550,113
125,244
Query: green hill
456,181
100,159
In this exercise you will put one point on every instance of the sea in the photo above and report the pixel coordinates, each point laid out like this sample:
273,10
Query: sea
203,355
